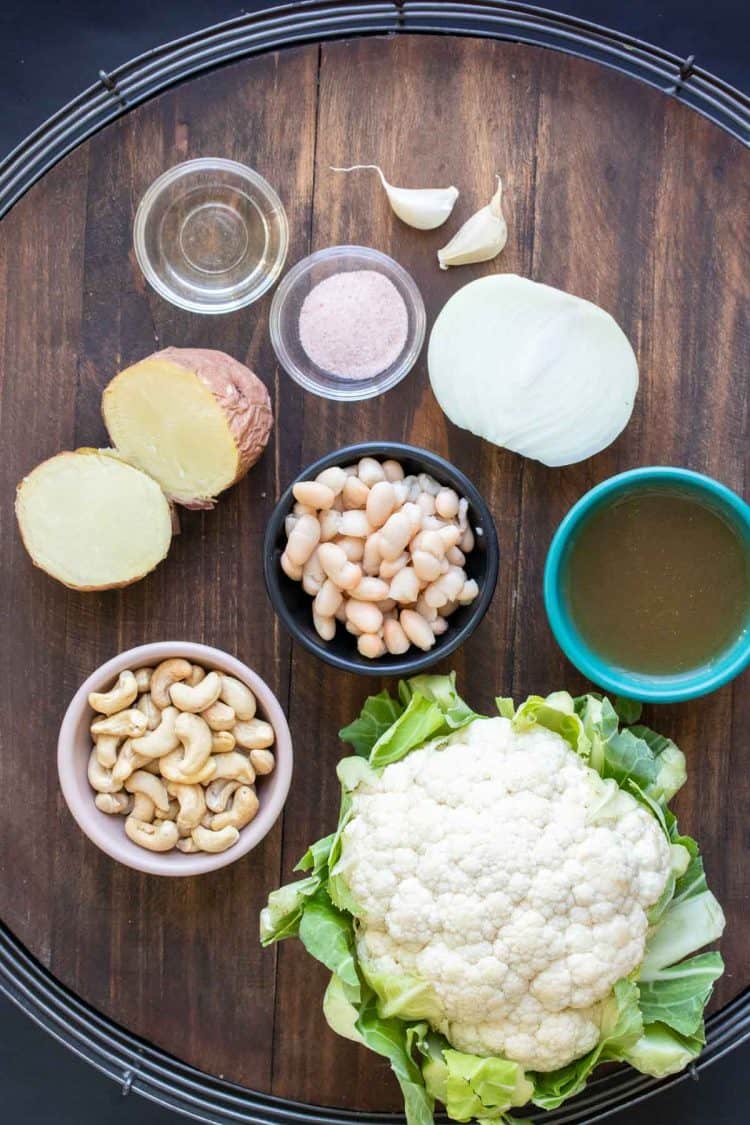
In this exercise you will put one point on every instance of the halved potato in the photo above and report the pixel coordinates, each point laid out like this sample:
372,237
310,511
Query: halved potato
92,521
193,419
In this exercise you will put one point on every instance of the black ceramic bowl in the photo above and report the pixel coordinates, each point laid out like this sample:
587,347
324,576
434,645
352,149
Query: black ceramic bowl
294,606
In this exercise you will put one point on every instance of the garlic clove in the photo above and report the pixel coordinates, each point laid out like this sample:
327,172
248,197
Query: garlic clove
480,238
422,208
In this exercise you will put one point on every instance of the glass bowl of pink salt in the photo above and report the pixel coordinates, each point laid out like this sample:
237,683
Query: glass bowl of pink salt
347,323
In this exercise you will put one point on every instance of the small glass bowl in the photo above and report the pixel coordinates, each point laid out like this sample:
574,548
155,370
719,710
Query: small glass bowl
284,322
211,235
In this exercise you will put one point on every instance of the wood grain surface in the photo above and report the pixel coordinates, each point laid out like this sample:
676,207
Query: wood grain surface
612,191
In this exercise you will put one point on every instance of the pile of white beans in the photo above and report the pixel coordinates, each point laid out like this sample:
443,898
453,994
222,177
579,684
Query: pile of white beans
381,552
177,749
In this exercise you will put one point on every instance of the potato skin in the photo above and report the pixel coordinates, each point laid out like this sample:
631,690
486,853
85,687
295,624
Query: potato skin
241,395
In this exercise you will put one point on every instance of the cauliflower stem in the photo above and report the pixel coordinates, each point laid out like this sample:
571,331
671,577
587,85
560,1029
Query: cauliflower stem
506,902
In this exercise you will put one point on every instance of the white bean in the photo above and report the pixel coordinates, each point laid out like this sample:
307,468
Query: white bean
450,536
439,626
303,510
364,615
389,568
333,478
355,493
447,609
340,613
313,575
386,606
370,590
330,522
325,627
370,471
455,556
414,513
401,492
353,548
396,640
463,513
429,612
393,471
328,599
417,629
468,592
380,502
428,484
352,628
291,570
429,541
372,558
289,523
426,566
395,534
405,586
345,574
303,540
371,646
426,504
318,496
356,524
446,503
466,541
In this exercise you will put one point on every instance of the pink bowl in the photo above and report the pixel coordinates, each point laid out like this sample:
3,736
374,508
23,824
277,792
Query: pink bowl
108,832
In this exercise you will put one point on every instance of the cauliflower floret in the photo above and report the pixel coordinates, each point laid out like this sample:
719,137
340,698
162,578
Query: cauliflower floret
476,867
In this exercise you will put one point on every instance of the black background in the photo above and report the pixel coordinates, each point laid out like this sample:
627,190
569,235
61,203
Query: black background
49,51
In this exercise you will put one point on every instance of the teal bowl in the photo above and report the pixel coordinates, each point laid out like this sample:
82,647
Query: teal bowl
647,687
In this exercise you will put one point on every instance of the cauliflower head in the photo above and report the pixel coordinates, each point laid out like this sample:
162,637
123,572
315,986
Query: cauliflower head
484,867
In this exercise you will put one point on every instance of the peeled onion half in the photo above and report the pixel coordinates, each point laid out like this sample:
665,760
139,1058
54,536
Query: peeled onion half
92,521
532,368
193,419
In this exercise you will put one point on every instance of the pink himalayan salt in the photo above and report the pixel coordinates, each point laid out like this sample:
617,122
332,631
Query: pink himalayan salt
353,324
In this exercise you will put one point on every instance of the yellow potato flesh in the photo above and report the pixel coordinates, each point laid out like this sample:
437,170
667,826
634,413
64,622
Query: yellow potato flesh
163,419
92,521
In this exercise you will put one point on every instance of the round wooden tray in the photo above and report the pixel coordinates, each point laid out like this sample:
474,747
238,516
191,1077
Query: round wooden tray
612,191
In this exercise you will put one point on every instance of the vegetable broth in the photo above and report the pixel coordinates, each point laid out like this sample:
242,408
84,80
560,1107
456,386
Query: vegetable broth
659,583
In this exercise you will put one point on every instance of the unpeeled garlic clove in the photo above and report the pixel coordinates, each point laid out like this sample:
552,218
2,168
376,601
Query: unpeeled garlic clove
480,238
423,208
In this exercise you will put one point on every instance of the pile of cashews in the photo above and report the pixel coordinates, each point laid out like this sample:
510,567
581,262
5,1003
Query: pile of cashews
381,552
176,752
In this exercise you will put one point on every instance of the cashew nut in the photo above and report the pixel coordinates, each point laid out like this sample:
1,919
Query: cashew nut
219,716
128,760
171,814
143,678
195,735
255,734
106,746
153,787
187,844
237,696
219,792
164,675
196,675
244,806
161,836
100,778
192,804
113,803
262,761
222,742
125,724
162,740
210,841
150,710
206,773
198,698
235,766
143,808
117,698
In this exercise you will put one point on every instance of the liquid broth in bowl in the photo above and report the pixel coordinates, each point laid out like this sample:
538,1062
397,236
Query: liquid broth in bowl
658,582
